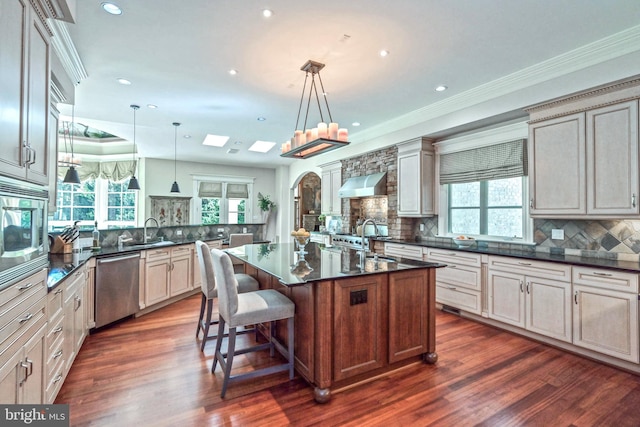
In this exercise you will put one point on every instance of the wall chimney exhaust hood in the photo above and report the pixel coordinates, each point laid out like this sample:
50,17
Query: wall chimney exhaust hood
364,186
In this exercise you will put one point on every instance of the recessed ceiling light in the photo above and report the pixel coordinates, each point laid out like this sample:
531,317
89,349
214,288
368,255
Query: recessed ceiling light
441,88
187,136
262,119
384,53
262,146
152,106
111,8
123,81
215,140
233,72
267,13
238,143
355,124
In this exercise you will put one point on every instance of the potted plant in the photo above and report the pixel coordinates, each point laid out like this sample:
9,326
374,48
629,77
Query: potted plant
266,206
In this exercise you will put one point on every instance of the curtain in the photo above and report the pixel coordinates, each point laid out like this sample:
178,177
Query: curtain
114,171
210,190
237,191
504,160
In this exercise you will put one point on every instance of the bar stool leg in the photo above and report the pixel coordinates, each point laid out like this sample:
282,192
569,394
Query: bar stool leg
221,324
231,348
291,346
207,324
202,304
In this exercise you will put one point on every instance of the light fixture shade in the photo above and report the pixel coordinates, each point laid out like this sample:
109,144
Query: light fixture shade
133,184
174,187
71,177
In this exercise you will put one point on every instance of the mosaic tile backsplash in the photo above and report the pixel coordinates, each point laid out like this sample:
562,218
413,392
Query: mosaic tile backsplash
610,239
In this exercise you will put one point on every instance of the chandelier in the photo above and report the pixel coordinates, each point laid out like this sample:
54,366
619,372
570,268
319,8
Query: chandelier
326,136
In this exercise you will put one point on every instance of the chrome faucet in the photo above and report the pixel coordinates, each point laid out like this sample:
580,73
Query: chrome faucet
145,237
364,225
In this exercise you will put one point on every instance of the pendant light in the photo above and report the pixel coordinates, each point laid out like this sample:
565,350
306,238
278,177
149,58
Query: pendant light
174,187
71,177
133,182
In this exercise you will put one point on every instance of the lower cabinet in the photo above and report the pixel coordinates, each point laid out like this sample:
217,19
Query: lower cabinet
605,313
181,279
459,284
519,296
74,324
403,251
167,273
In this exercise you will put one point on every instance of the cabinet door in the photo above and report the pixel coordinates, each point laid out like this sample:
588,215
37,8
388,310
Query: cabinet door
506,297
548,307
79,321
10,376
157,277
612,160
557,166
33,389
409,184
336,183
13,39
408,321
326,198
606,321
180,275
37,113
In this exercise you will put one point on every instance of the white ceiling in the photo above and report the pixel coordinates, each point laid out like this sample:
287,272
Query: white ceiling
177,55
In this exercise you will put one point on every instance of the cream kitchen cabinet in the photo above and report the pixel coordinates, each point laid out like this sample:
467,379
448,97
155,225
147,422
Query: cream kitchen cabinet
403,250
583,155
331,183
533,295
24,84
605,313
167,273
23,324
459,284
416,178
74,323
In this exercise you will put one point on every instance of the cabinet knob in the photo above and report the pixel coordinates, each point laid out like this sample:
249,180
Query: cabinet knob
531,203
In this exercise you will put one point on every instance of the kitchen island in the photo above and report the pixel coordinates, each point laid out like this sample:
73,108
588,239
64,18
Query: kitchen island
357,316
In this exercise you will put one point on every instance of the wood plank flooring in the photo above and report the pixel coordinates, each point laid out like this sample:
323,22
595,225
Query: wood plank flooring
150,372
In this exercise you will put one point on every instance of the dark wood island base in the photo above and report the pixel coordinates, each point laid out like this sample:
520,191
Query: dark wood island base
353,325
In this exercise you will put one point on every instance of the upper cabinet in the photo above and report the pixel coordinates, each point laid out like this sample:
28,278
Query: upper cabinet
24,84
416,175
331,183
583,154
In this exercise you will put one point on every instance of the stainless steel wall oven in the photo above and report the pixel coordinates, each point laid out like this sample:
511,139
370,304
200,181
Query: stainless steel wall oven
23,230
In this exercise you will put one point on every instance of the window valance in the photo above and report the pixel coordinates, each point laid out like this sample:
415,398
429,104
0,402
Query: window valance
210,190
114,171
504,160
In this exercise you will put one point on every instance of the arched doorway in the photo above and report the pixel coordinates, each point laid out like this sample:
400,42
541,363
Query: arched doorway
306,202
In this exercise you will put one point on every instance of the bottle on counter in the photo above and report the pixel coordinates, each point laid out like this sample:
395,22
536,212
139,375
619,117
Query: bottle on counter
96,236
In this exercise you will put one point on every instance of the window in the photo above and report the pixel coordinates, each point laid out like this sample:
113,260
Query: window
487,208
102,200
223,202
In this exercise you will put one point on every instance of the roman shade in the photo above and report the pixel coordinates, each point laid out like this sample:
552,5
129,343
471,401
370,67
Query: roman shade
237,191
114,171
504,160
210,190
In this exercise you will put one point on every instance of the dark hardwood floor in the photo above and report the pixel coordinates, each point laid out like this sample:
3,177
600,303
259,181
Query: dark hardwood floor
150,372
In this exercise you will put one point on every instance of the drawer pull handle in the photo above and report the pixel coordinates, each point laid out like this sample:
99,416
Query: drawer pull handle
57,330
453,288
25,318
524,263
521,286
595,273
452,266
451,254
575,297
528,288
58,291
58,378
25,286
58,354
79,302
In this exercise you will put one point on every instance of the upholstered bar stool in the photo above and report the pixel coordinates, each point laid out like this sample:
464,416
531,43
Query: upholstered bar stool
245,283
239,239
256,307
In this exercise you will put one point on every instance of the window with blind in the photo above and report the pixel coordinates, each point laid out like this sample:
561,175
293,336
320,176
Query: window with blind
224,202
485,192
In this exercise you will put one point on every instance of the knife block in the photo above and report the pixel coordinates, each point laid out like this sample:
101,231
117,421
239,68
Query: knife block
60,247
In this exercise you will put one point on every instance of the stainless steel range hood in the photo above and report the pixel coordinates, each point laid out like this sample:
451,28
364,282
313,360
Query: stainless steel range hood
364,186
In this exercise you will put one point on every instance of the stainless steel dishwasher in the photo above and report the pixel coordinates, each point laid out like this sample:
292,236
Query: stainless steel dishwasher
116,287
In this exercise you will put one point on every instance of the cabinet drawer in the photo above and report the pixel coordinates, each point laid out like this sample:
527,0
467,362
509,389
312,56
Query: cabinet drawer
548,270
462,298
54,383
454,257
215,244
55,330
20,313
460,275
403,251
55,355
54,303
24,289
156,254
606,279
181,251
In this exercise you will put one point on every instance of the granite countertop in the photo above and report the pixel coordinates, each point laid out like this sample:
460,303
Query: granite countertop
531,254
319,263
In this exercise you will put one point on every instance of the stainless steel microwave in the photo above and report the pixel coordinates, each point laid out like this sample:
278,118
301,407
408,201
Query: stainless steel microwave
23,230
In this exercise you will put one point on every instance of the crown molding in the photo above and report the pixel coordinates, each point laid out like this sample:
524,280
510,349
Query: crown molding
611,47
499,135
65,49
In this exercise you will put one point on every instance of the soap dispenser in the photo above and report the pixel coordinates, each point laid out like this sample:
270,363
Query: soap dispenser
96,236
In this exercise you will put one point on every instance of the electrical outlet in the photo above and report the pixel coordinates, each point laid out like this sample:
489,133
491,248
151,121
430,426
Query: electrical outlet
178,232
421,227
244,229
557,234
220,230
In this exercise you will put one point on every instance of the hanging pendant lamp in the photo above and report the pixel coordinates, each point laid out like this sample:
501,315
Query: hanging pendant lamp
174,187
133,182
71,177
